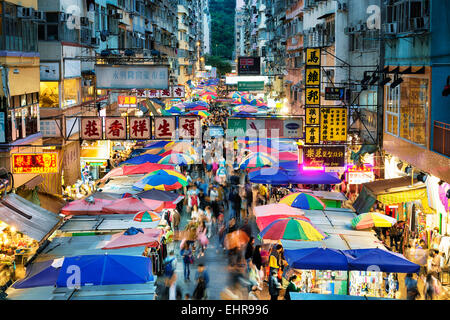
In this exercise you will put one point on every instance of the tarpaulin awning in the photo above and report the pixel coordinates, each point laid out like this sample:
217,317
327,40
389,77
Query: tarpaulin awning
389,191
87,206
316,259
28,218
149,238
39,274
133,205
106,270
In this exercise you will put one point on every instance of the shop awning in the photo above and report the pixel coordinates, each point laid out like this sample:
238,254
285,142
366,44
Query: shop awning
388,192
28,218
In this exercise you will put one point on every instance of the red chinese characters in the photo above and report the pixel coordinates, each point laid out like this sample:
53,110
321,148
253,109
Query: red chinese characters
165,93
189,127
178,92
153,93
35,163
140,128
91,128
115,128
164,127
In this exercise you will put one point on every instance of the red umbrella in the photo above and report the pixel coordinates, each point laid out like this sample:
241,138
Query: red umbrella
264,221
150,238
88,206
133,205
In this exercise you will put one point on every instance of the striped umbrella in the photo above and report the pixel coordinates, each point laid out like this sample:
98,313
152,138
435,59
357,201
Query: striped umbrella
257,160
146,216
303,201
161,180
177,159
292,229
372,219
201,113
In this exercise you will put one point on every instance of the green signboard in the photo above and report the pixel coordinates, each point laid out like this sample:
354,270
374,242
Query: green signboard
250,85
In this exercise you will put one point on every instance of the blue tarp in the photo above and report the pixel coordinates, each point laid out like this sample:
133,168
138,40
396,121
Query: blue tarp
386,261
105,270
284,176
280,178
373,259
316,259
153,158
38,274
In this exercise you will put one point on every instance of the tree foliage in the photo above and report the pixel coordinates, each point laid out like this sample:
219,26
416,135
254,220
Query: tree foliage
222,27
222,65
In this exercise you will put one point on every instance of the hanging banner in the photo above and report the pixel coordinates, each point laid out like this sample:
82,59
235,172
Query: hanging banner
116,128
131,76
189,127
312,135
91,128
324,156
139,128
164,127
312,116
35,162
333,124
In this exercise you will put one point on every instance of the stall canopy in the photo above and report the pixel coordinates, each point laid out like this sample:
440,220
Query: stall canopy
152,158
133,205
87,206
148,238
389,191
28,218
106,270
379,259
39,274
160,195
316,259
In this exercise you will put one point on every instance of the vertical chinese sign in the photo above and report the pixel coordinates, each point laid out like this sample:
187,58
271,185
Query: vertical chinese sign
178,92
164,127
189,128
312,95
91,128
333,125
139,128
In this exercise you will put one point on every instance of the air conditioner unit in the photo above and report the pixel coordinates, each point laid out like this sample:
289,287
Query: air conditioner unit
25,13
390,28
39,15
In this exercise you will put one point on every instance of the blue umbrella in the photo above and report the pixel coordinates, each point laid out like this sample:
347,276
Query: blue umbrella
39,274
316,259
310,177
259,176
152,158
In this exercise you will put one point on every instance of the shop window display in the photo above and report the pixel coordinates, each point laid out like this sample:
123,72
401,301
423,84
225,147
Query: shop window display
49,95
72,88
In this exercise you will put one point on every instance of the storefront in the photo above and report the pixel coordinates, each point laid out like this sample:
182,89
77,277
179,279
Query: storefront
94,155
24,226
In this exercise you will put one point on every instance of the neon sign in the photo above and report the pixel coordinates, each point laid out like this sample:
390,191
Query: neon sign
35,162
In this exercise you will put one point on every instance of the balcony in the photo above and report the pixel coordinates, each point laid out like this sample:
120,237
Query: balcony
441,138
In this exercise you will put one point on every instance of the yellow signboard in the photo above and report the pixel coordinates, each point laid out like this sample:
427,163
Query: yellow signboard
313,57
312,135
312,116
312,96
46,162
312,77
333,124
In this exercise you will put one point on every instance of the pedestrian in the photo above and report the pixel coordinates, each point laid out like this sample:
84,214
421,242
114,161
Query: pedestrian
275,259
274,286
436,264
200,290
174,289
254,276
292,287
208,221
201,238
186,253
170,264
202,273
411,287
214,198
248,255
431,288
176,218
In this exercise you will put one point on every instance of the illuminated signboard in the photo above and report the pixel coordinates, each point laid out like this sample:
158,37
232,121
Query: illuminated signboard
249,65
35,162
126,101
360,175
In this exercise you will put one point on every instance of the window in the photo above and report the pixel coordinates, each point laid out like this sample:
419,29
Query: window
392,109
49,94
71,92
